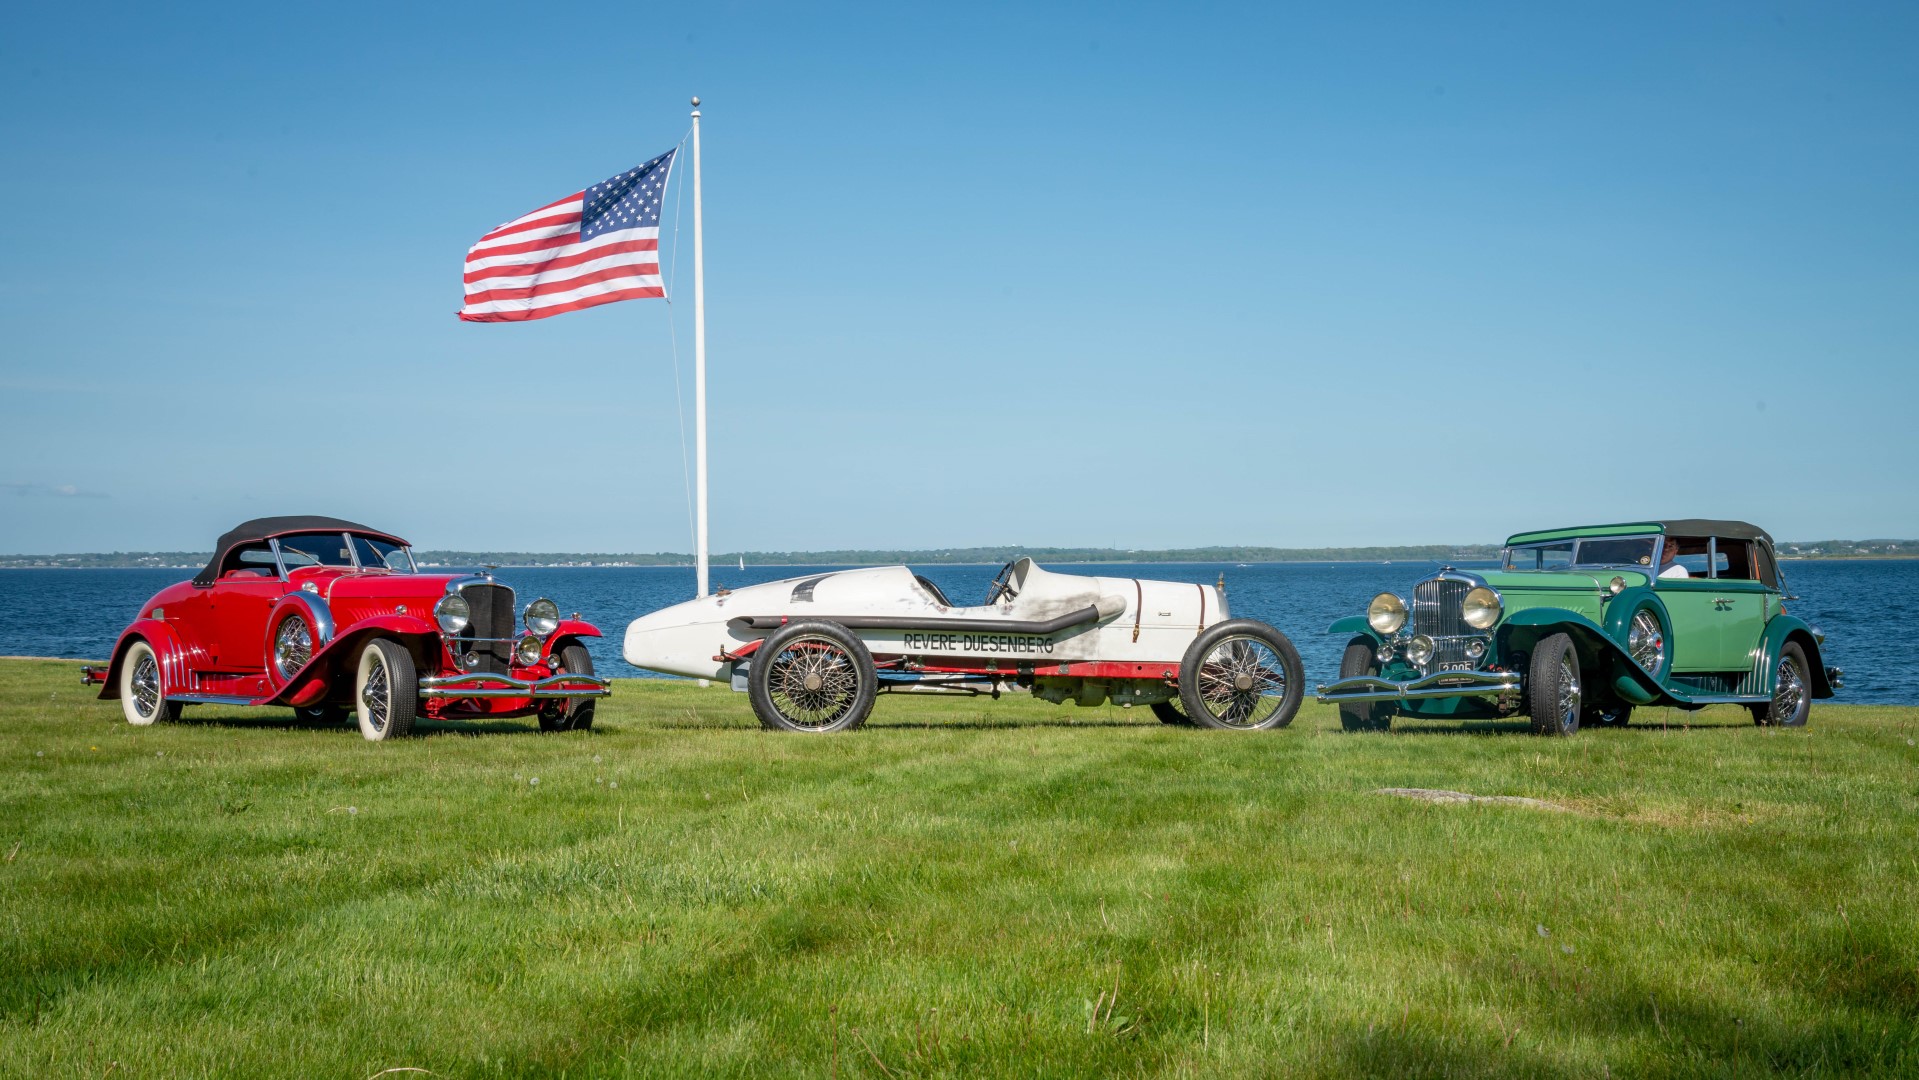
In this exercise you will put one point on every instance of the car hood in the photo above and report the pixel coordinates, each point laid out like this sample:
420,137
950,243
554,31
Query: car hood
1596,579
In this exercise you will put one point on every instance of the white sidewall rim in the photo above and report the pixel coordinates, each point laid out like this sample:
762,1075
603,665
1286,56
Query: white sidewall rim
367,660
129,702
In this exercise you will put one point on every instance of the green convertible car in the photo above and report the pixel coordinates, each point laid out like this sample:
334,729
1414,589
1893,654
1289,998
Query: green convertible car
1580,625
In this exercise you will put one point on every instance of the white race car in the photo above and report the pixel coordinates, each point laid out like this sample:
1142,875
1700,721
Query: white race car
812,652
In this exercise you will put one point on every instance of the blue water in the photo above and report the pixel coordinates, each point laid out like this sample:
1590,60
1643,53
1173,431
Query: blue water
1866,608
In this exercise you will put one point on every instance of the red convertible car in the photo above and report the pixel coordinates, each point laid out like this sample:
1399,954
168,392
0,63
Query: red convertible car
329,617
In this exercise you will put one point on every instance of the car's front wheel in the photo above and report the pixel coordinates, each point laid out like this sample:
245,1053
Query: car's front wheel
1791,700
1553,695
143,698
570,714
1362,659
386,690
1241,675
812,677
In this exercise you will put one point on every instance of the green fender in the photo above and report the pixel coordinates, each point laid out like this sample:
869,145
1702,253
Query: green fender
1629,680
1784,628
1355,626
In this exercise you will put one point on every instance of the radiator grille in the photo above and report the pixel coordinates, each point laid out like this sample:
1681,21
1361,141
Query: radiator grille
1438,612
492,607
1438,608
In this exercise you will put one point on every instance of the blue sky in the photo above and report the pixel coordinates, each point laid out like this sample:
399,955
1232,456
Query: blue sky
1087,274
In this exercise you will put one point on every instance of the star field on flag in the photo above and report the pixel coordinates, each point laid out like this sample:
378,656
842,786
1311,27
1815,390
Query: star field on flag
591,248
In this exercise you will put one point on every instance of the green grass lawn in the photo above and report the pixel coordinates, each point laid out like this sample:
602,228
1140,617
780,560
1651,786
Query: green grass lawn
964,888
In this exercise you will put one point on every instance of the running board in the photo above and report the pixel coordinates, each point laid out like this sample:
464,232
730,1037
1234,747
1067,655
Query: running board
1720,699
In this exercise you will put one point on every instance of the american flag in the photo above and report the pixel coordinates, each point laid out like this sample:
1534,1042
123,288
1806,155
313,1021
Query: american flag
592,247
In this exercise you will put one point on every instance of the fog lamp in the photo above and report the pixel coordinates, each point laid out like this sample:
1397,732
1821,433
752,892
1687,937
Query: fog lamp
528,651
1385,654
1475,649
1617,585
470,661
1419,650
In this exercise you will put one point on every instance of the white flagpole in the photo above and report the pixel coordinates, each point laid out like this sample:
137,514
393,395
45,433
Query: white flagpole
699,358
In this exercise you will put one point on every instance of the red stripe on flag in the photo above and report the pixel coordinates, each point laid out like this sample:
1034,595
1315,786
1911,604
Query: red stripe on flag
548,221
561,262
547,288
651,293
545,244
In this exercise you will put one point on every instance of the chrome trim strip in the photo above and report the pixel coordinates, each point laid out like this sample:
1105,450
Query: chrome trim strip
454,585
553,686
209,699
1460,684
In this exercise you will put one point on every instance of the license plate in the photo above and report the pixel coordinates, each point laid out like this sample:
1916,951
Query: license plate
1457,665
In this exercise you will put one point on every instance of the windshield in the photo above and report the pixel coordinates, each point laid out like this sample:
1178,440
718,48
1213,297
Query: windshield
379,554
1597,551
314,549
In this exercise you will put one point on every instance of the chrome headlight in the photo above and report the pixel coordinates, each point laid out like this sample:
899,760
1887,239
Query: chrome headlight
528,651
1387,613
1481,609
542,617
1419,650
452,613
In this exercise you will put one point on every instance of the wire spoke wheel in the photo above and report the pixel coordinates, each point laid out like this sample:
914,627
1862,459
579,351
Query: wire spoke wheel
1568,691
1554,699
1241,675
814,682
146,685
1646,641
292,647
377,693
1241,682
386,691
1789,688
813,676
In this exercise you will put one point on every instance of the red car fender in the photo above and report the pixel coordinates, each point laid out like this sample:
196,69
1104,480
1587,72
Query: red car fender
166,646
343,651
566,631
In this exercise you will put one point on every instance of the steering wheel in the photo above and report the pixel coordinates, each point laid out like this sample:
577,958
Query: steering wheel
1002,586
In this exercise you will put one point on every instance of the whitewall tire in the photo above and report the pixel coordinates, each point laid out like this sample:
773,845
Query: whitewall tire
143,697
386,691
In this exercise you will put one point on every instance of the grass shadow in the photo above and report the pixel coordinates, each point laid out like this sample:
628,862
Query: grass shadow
279,720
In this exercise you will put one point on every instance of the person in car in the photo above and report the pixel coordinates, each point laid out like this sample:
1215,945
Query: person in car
1669,561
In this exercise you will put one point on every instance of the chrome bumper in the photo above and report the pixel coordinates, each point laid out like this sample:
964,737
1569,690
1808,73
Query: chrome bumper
1440,684
482,684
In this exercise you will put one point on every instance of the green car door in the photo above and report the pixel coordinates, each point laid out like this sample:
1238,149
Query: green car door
1719,614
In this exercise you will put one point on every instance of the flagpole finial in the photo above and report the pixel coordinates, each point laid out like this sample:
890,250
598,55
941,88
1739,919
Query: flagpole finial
696,103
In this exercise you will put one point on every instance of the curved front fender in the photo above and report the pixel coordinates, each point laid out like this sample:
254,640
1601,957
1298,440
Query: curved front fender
1784,628
1355,626
418,634
576,628
166,645
1630,681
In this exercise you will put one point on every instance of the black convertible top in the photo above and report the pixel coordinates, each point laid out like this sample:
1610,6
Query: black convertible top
1731,530
258,529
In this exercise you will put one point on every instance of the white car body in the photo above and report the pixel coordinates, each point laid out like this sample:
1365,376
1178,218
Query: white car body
1116,630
